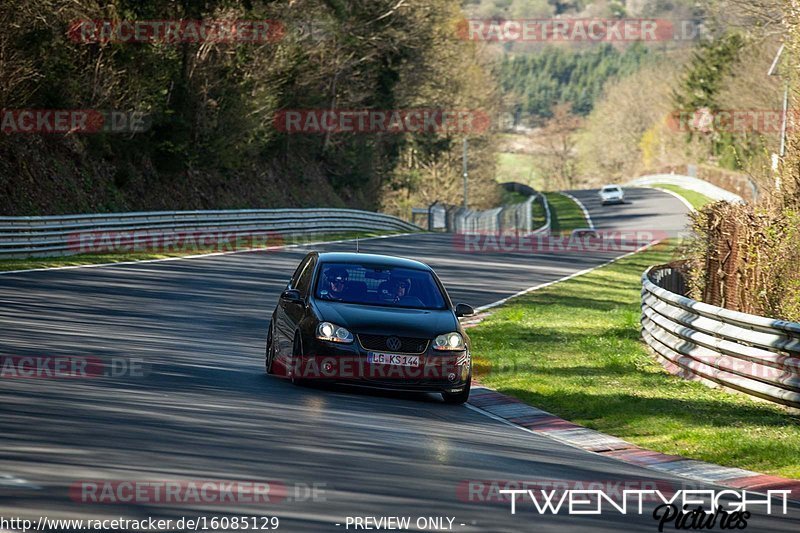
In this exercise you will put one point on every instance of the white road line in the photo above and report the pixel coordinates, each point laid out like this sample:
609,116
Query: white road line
266,249
685,202
583,208
8,480
522,428
565,278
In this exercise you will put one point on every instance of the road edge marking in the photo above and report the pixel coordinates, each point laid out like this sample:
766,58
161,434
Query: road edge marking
586,214
683,200
565,278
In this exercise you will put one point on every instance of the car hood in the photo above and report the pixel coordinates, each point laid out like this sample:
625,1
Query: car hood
388,320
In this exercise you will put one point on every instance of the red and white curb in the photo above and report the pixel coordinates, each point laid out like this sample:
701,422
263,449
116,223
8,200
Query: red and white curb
513,411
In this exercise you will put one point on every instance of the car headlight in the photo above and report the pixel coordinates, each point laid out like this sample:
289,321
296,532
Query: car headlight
449,341
331,332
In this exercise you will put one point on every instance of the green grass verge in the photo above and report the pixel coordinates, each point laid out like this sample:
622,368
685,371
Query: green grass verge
574,349
97,259
697,199
538,214
565,214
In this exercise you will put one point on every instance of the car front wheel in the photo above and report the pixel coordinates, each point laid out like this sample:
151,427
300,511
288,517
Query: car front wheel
269,356
297,354
457,398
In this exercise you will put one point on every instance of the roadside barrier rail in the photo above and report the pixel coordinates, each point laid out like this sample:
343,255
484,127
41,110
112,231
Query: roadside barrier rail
690,183
44,236
751,354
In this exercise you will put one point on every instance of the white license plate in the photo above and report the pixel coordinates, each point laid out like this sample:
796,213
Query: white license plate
392,359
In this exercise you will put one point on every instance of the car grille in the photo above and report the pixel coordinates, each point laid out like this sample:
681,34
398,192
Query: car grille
407,344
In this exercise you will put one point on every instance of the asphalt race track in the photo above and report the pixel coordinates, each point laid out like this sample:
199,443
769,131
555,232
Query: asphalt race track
206,411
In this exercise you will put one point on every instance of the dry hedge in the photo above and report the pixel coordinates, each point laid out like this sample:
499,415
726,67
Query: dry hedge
746,258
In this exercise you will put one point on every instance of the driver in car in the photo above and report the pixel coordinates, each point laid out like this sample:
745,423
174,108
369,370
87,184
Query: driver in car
400,288
337,281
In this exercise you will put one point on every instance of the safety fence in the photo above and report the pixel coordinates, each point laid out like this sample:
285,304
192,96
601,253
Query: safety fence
747,353
45,236
516,218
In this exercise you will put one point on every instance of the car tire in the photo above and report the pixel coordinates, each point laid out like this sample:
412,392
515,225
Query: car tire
458,398
297,351
269,356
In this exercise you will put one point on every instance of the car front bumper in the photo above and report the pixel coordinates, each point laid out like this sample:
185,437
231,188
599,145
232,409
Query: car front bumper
348,364
613,200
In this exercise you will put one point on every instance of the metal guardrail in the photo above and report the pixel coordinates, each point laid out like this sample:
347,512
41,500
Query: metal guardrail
690,183
548,218
46,236
748,353
516,218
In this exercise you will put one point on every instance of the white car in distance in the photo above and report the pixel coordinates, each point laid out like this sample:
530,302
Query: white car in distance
612,194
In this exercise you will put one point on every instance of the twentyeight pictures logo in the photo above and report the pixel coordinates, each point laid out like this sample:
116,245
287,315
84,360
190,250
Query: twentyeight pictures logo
670,504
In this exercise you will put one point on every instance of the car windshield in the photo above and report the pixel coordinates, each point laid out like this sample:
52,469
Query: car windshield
611,189
379,285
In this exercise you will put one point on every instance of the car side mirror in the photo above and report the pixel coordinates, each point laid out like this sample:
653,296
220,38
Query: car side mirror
292,295
464,310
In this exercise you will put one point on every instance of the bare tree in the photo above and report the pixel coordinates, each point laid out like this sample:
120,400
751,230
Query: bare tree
560,139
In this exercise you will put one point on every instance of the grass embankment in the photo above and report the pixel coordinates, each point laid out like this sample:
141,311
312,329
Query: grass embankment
574,349
98,259
697,199
565,213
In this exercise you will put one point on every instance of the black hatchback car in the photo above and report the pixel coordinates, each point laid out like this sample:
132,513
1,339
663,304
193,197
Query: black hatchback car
370,320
